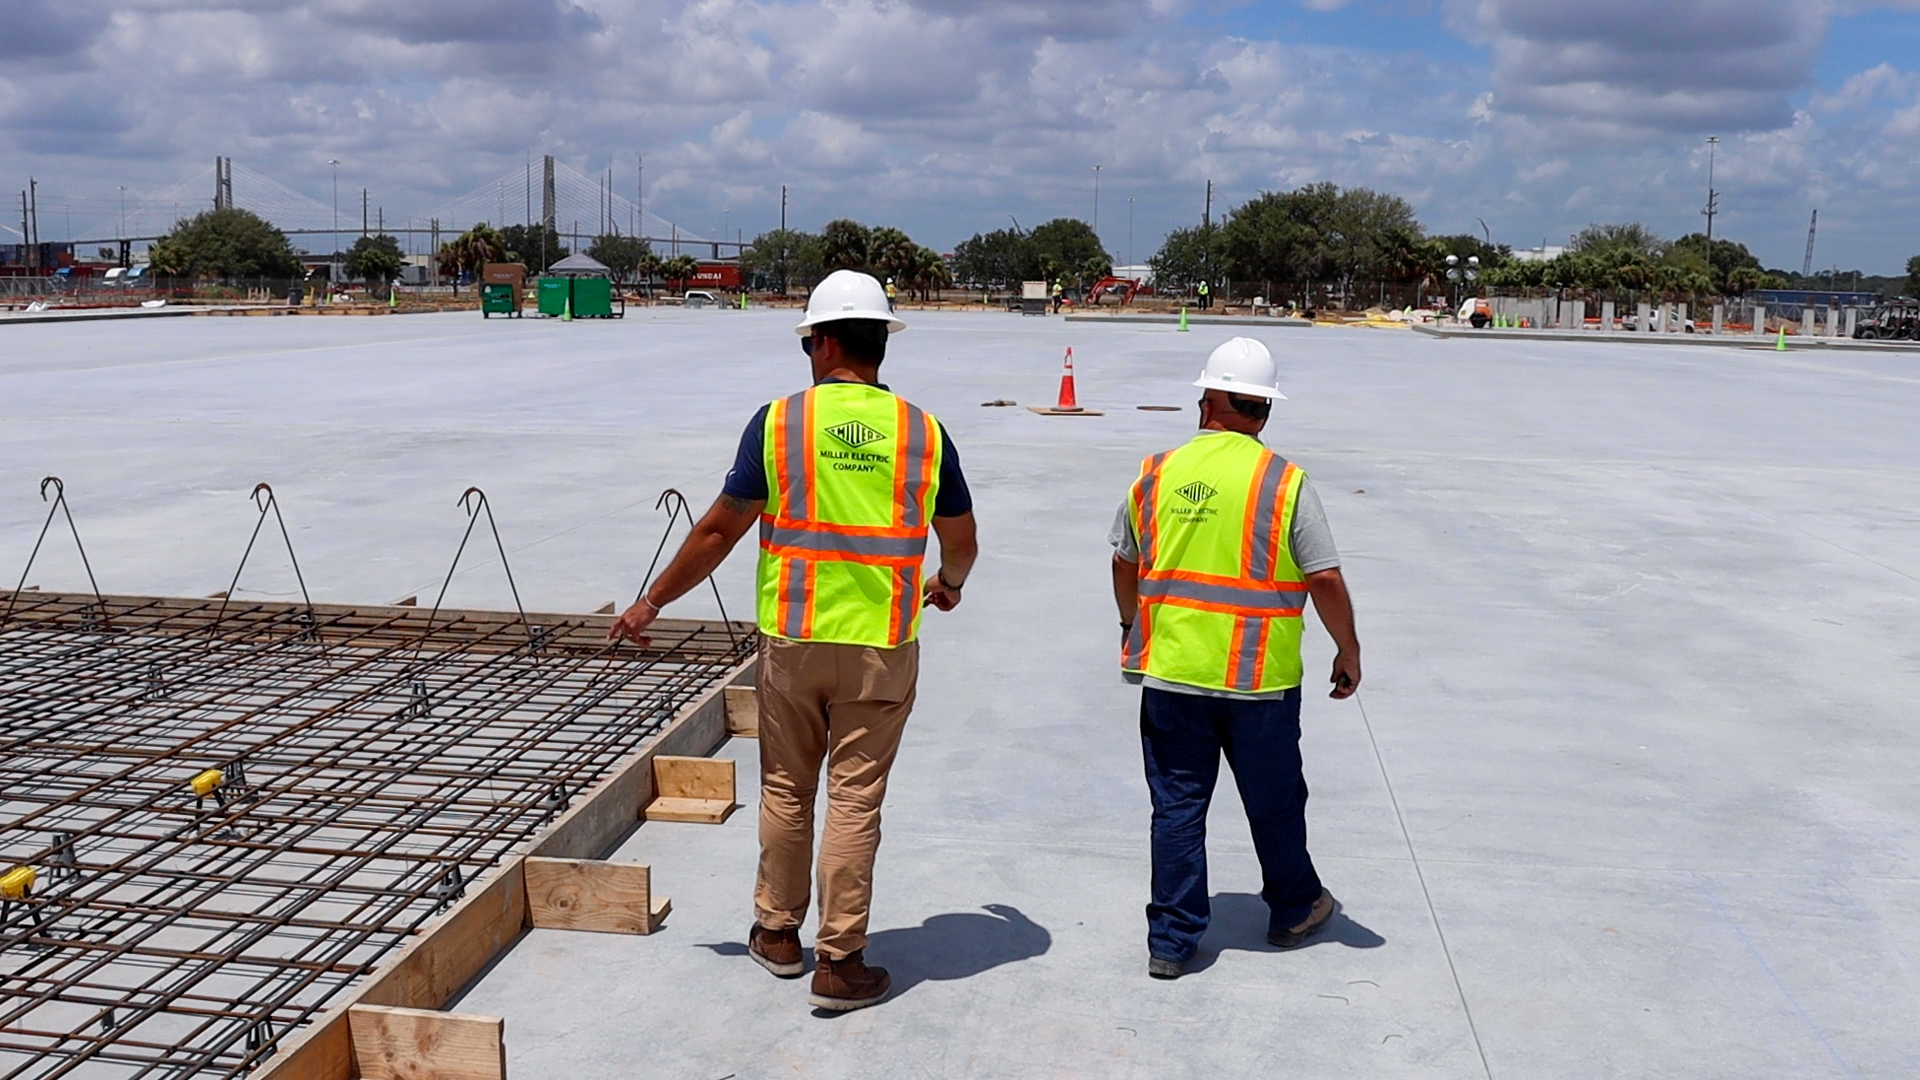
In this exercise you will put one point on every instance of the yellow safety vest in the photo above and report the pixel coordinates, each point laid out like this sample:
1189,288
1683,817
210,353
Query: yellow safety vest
853,473
1221,599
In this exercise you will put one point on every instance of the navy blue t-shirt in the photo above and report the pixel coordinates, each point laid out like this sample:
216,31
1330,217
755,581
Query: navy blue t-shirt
748,477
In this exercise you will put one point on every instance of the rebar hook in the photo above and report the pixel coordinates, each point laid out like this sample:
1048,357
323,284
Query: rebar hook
676,504
60,505
473,506
269,503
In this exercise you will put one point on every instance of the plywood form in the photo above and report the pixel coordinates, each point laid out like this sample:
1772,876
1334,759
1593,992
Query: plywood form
422,1044
587,894
694,789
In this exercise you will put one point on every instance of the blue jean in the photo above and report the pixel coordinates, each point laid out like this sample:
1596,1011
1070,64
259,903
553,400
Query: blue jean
1183,737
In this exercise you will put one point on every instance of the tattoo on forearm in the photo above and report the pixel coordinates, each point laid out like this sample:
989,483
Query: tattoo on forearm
735,504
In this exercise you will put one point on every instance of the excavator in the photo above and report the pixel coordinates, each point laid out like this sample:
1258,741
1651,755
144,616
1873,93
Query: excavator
1125,288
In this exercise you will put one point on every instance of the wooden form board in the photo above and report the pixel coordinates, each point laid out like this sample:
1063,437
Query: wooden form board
451,951
695,789
743,712
587,894
422,1044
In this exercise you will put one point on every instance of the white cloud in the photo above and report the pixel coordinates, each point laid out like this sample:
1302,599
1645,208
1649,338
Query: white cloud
945,116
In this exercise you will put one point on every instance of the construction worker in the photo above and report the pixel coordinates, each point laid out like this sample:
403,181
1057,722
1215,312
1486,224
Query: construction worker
1216,549
1206,296
844,480
891,294
1059,294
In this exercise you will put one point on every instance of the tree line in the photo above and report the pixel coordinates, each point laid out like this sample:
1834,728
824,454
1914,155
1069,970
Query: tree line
1321,233
1316,234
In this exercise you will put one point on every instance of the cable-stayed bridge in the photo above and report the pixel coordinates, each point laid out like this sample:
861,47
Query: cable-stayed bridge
579,207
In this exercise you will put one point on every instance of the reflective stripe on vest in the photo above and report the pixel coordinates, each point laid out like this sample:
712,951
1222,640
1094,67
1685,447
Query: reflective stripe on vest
853,472
1226,622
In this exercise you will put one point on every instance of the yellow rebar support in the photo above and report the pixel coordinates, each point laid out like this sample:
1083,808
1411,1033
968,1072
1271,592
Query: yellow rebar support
17,883
207,782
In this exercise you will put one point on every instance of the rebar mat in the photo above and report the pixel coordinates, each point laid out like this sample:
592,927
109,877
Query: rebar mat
233,813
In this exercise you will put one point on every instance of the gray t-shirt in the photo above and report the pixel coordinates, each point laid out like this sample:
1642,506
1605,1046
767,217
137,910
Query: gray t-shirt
1312,549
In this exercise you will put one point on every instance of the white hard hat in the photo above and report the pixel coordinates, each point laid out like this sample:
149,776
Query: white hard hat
848,294
1242,366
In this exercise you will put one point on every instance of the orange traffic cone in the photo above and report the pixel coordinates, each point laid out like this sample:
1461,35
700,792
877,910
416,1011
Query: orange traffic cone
1067,402
1068,405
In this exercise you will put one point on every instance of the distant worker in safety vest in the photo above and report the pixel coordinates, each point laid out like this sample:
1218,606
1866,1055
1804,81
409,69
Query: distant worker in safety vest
1059,295
845,480
1206,296
1216,550
892,294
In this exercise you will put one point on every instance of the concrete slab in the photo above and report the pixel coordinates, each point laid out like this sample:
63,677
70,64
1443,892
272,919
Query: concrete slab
1639,670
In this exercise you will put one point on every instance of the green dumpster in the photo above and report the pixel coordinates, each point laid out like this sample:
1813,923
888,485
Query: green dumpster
592,298
554,293
499,298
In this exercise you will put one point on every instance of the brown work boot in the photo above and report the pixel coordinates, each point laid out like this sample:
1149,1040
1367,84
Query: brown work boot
776,950
849,984
1325,907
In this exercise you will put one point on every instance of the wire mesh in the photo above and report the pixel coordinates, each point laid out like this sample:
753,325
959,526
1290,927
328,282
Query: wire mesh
233,815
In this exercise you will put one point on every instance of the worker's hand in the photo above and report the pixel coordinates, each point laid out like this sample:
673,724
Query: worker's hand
632,623
938,595
1346,676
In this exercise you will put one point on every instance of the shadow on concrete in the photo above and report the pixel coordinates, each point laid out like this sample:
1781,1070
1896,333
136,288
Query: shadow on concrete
943,948
1240,922
957,946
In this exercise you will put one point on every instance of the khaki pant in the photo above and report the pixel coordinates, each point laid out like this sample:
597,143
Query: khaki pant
846,706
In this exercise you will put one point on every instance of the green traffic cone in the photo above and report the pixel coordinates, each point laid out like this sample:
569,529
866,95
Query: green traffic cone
393,297
1781,344
566,312
1183,320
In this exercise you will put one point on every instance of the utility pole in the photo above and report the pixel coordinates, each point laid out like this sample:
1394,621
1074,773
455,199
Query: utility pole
123,212
363,211
640,191
1206,216
783,208
33,208
1130,230
1713,197
1806,264
26,232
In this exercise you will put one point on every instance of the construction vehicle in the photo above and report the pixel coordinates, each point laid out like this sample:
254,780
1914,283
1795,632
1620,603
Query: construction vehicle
1125,288
1895,320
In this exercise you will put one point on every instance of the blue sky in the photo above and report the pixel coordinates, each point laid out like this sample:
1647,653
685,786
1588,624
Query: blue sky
946,117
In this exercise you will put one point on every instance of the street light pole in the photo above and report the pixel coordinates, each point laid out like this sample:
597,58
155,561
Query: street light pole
1096,200
335,256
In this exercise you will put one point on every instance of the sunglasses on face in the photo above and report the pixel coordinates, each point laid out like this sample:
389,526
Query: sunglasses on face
806,345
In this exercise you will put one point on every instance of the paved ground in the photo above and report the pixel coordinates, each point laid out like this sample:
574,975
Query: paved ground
1629,790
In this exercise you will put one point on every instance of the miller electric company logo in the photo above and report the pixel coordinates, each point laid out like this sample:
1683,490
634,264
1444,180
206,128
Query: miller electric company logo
855,434
1196,493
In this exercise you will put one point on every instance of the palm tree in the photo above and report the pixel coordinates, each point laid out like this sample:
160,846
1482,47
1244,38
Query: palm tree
844,245
470,251
680,268
929,272
891,253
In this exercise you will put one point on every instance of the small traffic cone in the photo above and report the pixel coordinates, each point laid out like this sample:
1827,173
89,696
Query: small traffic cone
1183,320
566,311
1780,345
393,297
1067,402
